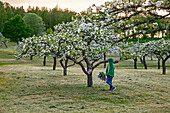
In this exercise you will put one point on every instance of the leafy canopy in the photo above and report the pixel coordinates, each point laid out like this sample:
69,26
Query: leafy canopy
15,29
35,22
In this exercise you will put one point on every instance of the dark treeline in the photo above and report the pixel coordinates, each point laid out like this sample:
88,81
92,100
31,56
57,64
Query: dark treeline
51,17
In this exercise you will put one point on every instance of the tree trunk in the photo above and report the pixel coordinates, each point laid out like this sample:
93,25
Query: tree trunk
54,65
31,57
44,62
89,80
151,56
163,67
141,60
159,63
135,63
65,67
144,62
104,59
65,71
89,70
5,45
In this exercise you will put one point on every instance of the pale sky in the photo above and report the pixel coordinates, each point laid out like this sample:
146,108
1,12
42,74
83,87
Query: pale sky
75,5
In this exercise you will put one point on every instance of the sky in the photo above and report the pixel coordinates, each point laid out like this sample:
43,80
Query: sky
75,5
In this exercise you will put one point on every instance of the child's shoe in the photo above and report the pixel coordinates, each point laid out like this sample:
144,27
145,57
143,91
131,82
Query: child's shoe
113,89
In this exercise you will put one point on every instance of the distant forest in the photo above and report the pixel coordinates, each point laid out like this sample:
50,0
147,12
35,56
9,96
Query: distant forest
51,17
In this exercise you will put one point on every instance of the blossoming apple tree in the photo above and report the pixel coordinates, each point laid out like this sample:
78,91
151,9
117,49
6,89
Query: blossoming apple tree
84,40
162,50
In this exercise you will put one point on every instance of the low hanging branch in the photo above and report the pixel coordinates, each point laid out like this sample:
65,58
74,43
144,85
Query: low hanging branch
140,23
78,62
126,37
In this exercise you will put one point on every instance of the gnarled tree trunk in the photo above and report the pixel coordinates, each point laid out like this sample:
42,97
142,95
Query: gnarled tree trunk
44,62
164,64
31,57
141,60
144,62
5,45
89,80
104,59
65,66
135,63
163,67
54,65
159,63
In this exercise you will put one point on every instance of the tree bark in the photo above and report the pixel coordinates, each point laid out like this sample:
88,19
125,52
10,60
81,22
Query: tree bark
104,59
54,65
159,63
44,62
141,60
89,80
144,62
151,56
163,67
135,63
31,57
65,67
5,45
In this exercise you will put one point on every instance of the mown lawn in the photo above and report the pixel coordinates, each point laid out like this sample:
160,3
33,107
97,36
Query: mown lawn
28,87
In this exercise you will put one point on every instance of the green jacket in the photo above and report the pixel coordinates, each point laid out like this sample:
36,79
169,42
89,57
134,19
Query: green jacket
110,68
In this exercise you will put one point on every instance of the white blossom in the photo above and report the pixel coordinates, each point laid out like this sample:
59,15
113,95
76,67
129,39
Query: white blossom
158,3
107,3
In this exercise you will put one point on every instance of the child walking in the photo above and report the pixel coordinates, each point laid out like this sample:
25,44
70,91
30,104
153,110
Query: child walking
110,73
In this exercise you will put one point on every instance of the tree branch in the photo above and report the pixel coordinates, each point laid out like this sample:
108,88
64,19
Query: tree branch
126,37
61,62
167,57
101,62
71,64
94,61
81,64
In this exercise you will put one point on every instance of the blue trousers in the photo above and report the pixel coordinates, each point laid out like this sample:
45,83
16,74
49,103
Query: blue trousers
109,81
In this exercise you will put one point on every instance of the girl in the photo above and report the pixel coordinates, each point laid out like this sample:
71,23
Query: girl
110,73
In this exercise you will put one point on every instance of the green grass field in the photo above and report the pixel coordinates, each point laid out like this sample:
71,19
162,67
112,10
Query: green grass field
28,87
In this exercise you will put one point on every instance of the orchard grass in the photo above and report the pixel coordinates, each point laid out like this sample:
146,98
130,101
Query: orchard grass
28,87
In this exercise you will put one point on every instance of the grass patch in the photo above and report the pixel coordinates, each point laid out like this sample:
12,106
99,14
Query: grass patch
31,87
6,55
138,66
3,64
34,89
